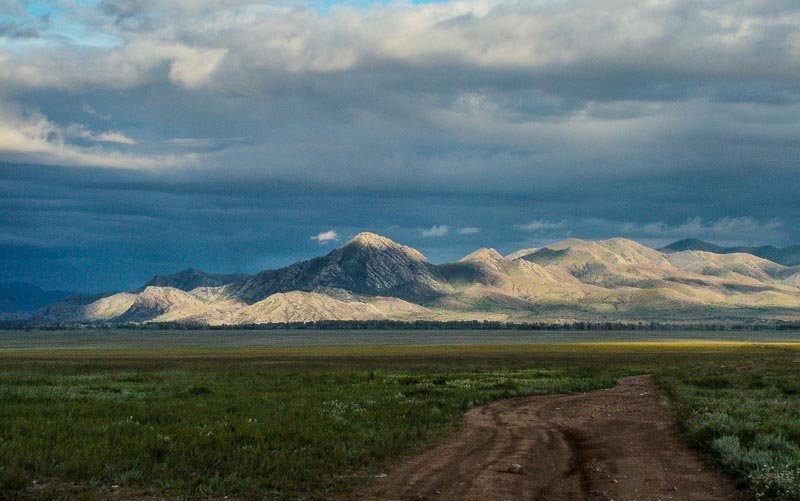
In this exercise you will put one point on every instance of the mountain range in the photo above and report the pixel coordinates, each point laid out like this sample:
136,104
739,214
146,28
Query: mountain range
372,277
788,256
19,297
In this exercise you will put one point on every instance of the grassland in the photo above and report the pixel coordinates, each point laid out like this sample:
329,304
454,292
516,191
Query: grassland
315,422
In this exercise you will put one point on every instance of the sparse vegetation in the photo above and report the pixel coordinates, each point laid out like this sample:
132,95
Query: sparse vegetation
747,416
309,423
242,425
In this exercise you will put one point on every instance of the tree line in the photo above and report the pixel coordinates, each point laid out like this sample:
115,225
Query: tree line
427,325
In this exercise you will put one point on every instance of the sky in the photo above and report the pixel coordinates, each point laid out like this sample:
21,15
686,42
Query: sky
148,136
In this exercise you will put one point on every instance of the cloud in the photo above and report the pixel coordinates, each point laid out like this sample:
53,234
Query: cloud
139,62
14,30
207,142
468,230
82,132
193,68
32,136
105,228
90,110
734,40
511,95
540,225
112,137
254,42
725,229
326,237
437,230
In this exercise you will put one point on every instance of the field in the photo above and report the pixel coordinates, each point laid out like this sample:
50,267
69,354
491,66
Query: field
314,422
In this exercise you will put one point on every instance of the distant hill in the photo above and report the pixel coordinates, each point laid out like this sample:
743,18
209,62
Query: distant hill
374,278
16,297
787,256
689,244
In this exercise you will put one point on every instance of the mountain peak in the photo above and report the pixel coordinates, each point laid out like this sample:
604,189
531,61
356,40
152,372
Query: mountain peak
369,264
620,243
381,243
370,239
484,254
567,244
521,253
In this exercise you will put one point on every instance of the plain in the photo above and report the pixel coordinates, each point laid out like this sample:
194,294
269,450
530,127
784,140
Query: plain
317,422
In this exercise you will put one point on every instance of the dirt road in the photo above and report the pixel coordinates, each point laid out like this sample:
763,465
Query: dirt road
615,444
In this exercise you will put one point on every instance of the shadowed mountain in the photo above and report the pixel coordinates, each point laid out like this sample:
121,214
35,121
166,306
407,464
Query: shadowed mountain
192,278
688,244
21,297
545,255
481,266
73,308
787,256
369,265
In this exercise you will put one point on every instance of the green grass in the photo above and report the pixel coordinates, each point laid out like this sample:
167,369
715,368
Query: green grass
311,423
746,416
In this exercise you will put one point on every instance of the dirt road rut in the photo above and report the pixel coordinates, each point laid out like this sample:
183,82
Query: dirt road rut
615,444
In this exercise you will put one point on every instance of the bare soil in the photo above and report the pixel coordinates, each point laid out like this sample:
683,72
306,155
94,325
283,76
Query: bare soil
614,444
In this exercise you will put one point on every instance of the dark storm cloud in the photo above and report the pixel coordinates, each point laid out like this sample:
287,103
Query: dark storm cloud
108,230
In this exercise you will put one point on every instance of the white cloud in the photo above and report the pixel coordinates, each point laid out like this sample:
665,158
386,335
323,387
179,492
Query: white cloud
113,137
82,132
33,137
326,236
206,142
136,63
540,225
468,230
437,230
193,68
734,39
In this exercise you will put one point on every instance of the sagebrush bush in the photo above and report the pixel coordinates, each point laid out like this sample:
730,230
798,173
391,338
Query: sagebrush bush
728,449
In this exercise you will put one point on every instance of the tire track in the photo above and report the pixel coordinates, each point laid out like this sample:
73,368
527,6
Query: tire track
617,443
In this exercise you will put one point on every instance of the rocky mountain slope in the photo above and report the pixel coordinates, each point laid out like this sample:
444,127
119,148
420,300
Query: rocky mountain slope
372,277
369,264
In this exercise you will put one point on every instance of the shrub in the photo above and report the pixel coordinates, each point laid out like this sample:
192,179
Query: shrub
728,450
773,482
